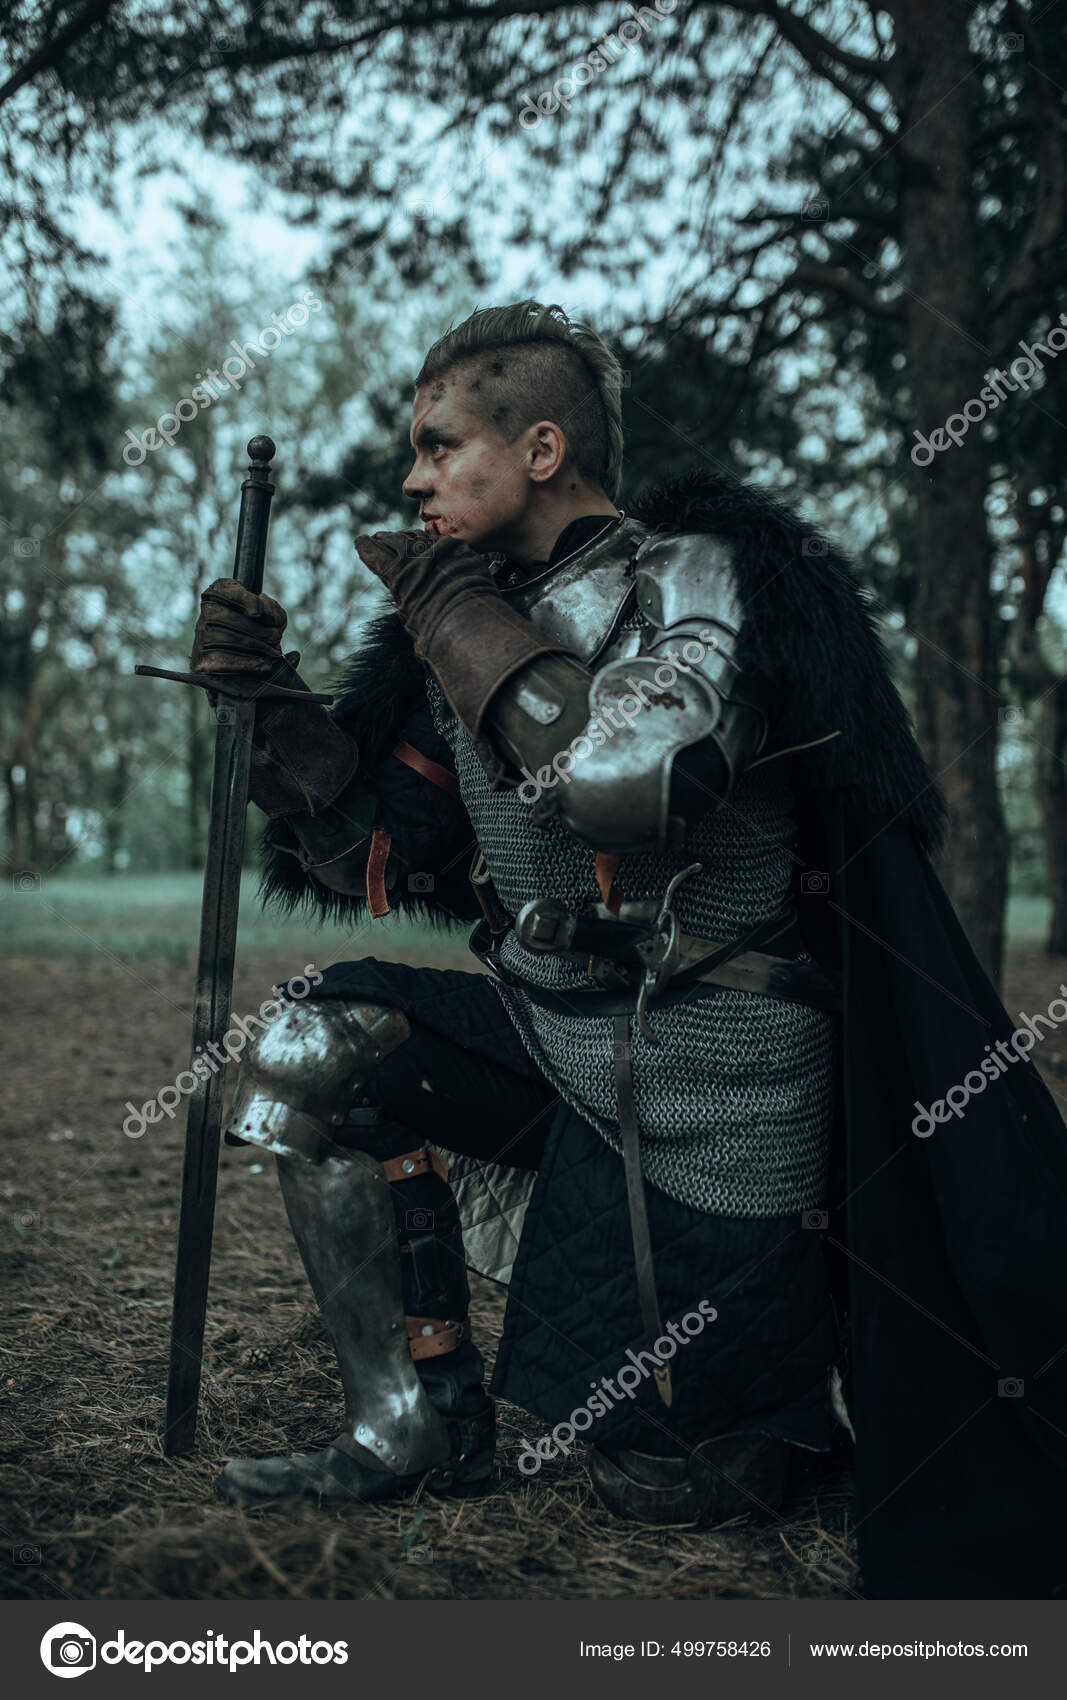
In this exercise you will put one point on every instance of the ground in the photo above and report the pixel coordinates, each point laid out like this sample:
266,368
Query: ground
99,1014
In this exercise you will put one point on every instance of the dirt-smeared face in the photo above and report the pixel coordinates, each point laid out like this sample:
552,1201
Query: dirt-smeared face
469,482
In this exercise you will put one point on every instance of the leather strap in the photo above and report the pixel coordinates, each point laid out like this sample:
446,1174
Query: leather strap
629,1128
376,861
606,864
430,769
429,1337
412,1163
498,919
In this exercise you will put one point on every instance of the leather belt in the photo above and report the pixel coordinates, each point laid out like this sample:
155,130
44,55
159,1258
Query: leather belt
756,971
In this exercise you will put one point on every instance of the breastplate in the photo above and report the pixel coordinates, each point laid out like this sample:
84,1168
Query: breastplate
586,603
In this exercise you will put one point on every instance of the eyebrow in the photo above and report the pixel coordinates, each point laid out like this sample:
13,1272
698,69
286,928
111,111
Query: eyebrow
426,432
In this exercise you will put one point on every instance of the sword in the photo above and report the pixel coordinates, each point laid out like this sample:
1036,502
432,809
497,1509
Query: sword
214,973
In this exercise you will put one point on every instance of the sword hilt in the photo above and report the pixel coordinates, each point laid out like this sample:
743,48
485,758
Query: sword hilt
256,492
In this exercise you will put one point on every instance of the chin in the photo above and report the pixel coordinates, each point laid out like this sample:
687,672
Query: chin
480,538
462,534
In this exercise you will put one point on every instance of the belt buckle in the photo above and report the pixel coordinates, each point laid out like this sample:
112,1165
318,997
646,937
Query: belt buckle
659,953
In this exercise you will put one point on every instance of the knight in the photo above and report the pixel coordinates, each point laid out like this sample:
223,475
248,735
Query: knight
656,756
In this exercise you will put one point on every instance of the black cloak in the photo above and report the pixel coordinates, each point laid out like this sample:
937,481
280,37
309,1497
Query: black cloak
947,1247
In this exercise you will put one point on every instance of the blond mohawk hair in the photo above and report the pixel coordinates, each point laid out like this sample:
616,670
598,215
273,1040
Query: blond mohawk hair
530,362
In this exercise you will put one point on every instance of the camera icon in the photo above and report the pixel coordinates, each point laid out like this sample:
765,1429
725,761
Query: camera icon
26,548
815,883
1010,43
420,882
25,1555
224,714
815,210
419,543
421,209
25,881
419,1221
621,1050
817,1554
223,42
420,1555
1011,717
27,1219
814,1219
1010,1387
815,546
68,1649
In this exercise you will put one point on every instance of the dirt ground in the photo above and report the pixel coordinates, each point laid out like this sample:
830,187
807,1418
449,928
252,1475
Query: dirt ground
92,1509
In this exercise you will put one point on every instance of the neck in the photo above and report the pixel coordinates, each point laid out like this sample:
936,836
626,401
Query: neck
533,537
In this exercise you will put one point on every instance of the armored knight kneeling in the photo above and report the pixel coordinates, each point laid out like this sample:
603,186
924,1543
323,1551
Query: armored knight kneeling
636,749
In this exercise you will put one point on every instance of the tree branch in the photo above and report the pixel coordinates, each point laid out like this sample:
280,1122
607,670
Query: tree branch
51,52
813,277
826,60
859,212
1003,127
818,49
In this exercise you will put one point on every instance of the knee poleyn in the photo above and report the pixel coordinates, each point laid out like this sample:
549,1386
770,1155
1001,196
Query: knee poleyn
300,1074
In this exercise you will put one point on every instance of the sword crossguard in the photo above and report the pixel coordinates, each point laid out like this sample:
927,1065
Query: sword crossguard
232,685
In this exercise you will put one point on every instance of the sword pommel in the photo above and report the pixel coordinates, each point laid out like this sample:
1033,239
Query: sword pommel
261,451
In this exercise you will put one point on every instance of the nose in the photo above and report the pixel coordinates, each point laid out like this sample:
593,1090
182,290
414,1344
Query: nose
416,485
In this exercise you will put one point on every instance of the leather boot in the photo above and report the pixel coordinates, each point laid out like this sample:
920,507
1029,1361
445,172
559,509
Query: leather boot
722,1478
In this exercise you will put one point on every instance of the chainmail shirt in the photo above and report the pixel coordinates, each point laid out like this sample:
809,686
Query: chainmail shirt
735,1103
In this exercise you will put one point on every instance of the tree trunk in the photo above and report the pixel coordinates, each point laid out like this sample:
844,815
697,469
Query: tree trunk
1051,763
957,699
14,819
115,821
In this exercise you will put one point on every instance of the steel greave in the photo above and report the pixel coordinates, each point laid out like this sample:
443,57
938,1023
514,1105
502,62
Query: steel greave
342,1216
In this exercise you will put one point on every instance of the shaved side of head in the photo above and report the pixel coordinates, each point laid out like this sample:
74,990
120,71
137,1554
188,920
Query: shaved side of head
515,365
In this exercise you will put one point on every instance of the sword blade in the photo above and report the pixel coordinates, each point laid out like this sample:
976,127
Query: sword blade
214,987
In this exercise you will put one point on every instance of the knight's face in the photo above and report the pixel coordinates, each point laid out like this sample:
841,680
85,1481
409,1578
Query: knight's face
467,480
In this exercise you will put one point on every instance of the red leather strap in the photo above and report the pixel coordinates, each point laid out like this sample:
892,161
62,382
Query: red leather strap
378,857
606,864
443,1336
431,770
412,1163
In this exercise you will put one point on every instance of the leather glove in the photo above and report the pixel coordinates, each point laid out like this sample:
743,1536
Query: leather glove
301,759
238,632
469,636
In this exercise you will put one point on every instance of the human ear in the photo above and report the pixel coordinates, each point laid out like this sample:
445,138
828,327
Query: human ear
547,450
